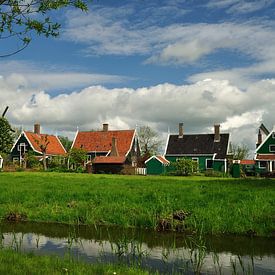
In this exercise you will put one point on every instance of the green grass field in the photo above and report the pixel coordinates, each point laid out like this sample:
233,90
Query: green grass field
14,263
220,205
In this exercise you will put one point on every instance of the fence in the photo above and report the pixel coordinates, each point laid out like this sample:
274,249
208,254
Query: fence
141,171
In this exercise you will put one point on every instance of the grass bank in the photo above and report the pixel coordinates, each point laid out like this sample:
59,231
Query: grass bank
12,262
220,205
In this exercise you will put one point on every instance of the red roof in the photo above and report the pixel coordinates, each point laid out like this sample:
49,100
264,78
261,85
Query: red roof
101,141
266,157
162,159
247,161
54,147
110,160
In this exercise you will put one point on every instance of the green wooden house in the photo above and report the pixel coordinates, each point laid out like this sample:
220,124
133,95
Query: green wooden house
265,152
209,150
156,165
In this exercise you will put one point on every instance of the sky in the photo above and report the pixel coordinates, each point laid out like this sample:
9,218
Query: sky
156,63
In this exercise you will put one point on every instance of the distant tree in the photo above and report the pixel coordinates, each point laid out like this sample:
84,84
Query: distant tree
148,140
20,18
67,144
6,136
239,152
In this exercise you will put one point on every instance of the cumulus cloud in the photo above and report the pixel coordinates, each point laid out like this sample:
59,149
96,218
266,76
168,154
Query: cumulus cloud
198,105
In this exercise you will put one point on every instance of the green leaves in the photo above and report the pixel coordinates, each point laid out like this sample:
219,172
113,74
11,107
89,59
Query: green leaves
17,19
6,136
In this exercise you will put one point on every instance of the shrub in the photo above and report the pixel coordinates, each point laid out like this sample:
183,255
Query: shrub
185,167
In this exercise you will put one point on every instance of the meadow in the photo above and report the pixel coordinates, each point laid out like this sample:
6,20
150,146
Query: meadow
216,205
12,262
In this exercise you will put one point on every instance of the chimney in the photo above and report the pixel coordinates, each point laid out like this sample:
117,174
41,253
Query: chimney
105,127
180,130
114,151
217,136
36,128
260,138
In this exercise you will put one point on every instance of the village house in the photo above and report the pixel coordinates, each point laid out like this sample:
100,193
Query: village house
210,151
265,150
31,142
109,151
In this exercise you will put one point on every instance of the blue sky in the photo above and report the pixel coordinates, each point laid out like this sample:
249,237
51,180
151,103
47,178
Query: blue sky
162,50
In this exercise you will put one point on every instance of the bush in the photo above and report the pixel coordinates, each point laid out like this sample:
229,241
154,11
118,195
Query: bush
184,167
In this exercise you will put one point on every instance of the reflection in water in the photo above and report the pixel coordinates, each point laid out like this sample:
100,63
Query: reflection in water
165,252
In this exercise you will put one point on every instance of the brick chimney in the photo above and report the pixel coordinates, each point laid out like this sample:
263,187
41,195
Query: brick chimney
105,127
260,138
181,130
217,135
114,151
36,128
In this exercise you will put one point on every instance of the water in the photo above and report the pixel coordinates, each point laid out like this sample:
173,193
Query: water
163,252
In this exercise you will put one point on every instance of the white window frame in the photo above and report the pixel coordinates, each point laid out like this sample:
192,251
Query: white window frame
262,167
270,148
198,163
15,159
206,161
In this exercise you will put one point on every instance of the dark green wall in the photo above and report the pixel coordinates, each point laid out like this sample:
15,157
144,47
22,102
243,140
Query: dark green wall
264,149
154,167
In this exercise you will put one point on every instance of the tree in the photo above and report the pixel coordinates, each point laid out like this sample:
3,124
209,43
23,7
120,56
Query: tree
43,143
148,140
67,144
6,136
239,151
17,20
77,157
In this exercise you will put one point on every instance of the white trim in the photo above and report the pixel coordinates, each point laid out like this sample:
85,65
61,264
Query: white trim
228,143
214,156
158,160
270,149
76,133
264,141
166,145
261,167
195,159
17,140
61,144
31,144
273,135
132,142
206,163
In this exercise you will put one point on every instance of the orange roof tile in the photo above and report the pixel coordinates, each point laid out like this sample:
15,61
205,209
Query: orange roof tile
266,157
247,161
110,160
101,141
54,147
162,159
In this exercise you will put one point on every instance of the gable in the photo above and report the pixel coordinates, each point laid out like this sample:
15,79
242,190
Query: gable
101,141
54,147
268,145
200,144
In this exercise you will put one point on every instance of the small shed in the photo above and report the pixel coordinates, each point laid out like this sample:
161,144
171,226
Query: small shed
1,162
156,165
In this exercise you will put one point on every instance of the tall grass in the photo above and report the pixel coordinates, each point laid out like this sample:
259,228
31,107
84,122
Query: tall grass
223,205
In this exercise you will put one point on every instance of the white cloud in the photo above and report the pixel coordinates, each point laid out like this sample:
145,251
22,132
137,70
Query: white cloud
198,105
240,6
26,74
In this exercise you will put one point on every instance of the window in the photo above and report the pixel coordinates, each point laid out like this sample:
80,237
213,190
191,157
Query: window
196,160
272,148
209,164
15,160
262,164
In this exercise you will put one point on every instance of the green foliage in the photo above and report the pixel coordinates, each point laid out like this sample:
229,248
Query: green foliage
31,160
185,167
77,156
17,20
14,263
148,140
67,144
6,136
